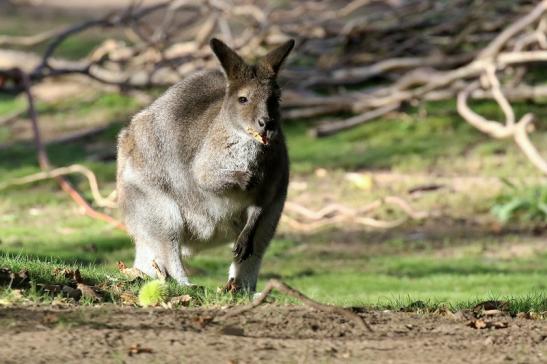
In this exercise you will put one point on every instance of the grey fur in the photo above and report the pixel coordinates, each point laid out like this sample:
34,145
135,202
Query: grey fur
190,176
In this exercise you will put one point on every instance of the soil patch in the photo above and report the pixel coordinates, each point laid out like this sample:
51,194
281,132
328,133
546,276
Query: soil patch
270,333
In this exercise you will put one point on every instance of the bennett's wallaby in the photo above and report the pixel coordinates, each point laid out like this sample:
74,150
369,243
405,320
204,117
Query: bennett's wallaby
207,164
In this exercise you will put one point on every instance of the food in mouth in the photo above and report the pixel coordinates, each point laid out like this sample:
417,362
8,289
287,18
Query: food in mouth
262,138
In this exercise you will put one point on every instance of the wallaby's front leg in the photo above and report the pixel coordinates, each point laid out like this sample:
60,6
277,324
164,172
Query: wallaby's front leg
243,275
243,247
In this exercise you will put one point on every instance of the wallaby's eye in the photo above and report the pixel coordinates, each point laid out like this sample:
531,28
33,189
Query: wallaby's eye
242,100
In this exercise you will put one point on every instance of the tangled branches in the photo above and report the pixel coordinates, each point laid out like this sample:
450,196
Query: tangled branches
413,50
492,62
367,59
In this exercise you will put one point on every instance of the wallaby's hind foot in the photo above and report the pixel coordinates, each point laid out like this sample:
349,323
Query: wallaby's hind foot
244,275
149,263
231,286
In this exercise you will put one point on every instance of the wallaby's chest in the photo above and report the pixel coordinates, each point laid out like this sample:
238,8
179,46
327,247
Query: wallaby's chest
240,154
216,220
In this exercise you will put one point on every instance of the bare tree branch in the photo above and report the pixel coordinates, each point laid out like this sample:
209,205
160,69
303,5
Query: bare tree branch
43,159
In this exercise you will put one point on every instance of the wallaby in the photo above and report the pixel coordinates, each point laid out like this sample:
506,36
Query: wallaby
206,164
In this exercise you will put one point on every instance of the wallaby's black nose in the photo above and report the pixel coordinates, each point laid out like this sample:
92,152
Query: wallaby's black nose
261,123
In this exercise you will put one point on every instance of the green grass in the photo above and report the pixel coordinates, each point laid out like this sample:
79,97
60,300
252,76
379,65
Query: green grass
41,229
527,204
410,142
394,282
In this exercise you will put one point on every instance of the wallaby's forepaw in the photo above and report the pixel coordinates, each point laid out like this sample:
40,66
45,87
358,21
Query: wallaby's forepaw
242,179
243,249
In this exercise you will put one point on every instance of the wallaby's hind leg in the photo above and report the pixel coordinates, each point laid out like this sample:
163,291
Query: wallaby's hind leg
154,221
144,256
244,274
166,255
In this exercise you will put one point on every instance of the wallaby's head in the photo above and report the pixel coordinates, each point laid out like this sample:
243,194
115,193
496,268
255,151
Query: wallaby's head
252,97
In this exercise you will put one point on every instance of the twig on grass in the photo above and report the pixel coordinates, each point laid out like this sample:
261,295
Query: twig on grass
289,291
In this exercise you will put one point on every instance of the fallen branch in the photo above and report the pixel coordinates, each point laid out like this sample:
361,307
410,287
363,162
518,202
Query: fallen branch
43,159
333,214
289,291
497,44
307,227
523,141
63,171
333,127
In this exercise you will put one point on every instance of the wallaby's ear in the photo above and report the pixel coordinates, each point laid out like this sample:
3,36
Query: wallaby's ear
231,62
272,61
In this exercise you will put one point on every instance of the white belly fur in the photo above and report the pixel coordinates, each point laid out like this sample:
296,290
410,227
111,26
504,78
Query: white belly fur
218,224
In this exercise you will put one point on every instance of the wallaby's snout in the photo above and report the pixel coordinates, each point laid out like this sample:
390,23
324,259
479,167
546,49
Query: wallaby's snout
266,127
262,123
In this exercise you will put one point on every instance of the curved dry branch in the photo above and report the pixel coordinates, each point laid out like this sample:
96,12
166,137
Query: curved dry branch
499,96
309,220
330,128
523,141
63,171
28,40
518,130
490,127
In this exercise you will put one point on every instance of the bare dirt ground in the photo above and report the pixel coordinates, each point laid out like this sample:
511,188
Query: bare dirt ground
270,333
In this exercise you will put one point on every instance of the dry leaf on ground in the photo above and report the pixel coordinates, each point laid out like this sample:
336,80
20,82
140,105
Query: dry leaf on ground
129,298
487,324
491,305
89,292
131,273
183,300
14,280
72,274
138,349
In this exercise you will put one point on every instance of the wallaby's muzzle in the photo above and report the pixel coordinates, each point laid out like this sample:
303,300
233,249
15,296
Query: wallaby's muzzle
265,127
262,134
